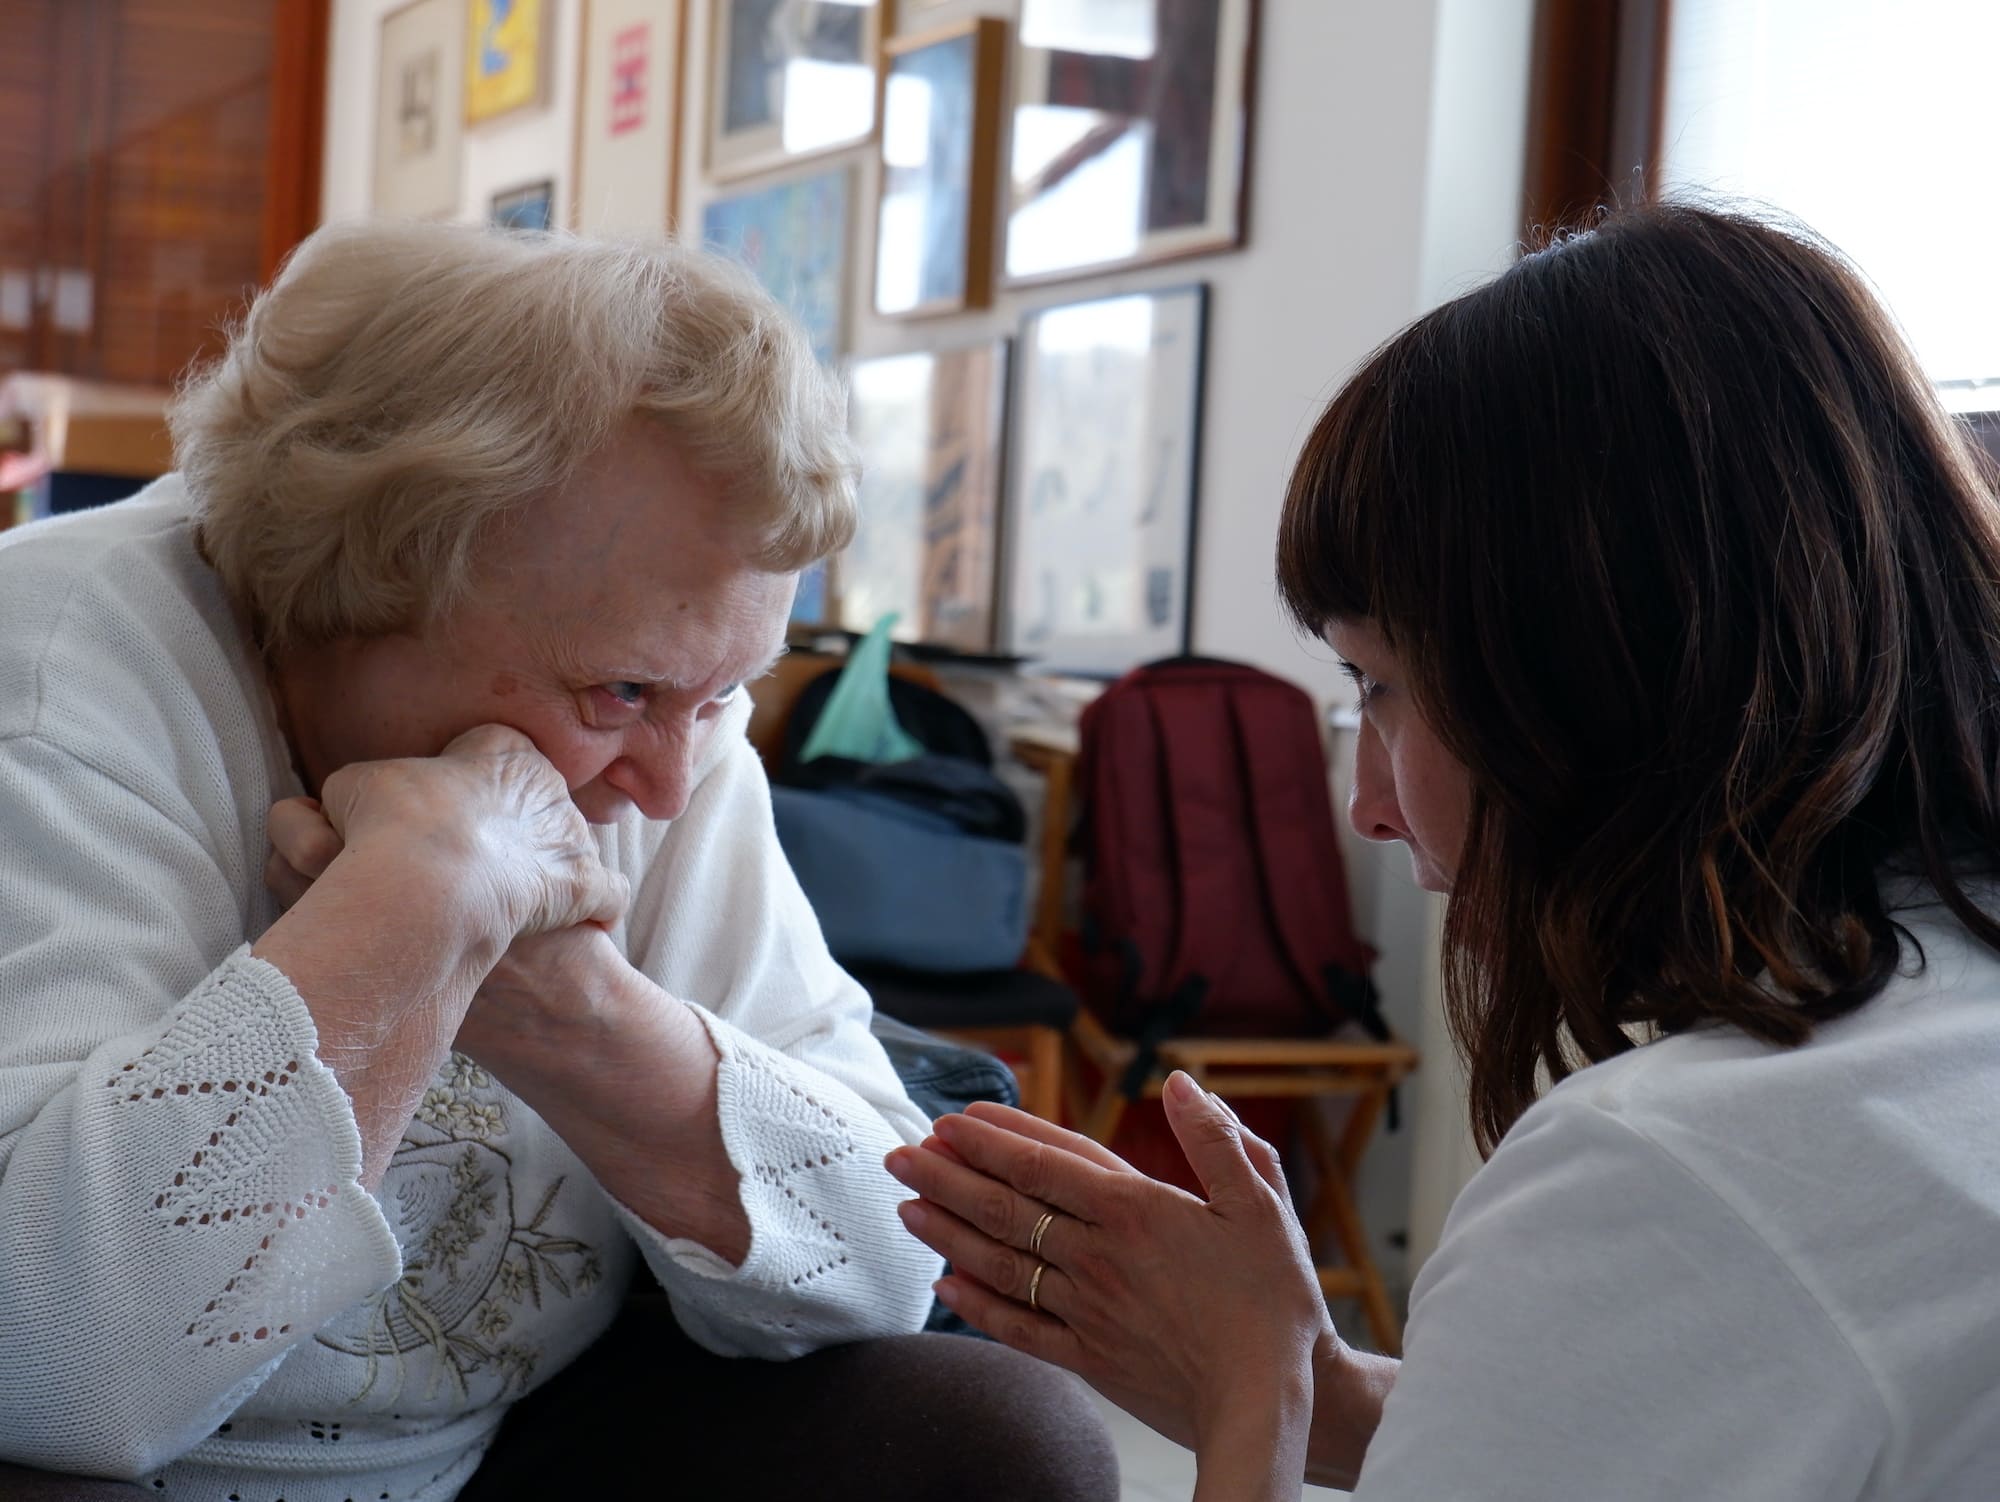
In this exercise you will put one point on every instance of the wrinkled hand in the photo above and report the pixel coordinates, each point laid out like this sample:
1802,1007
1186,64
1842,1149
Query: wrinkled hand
527,1008
303,845
1182,1310
489,813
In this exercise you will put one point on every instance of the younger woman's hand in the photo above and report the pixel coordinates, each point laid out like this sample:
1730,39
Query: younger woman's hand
1199,1315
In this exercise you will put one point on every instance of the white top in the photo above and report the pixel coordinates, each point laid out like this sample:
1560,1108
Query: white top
184,1243
1712,1268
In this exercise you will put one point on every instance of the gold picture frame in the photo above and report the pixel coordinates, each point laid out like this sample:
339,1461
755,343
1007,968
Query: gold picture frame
940,168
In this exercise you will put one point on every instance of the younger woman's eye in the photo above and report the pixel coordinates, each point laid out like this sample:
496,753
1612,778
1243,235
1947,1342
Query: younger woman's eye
1365,688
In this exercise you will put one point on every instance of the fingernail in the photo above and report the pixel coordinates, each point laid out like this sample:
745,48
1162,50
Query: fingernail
1183,1086
914,1213
946,1290
897,1165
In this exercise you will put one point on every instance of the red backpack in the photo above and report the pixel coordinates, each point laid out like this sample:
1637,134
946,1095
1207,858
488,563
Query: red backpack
1214,901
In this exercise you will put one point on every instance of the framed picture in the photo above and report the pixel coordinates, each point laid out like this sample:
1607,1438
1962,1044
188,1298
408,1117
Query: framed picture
812,605
788,79
506,57
929,427
793,235
940,164
527,207
1099,525
1131,133
628,134
417,111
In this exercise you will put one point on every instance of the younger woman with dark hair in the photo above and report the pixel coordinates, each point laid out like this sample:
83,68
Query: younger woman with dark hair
1673,597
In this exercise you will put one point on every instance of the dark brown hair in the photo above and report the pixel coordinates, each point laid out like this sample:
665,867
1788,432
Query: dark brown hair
1683,560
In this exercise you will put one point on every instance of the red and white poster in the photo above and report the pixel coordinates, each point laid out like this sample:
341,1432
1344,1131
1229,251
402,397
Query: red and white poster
629,137
629,50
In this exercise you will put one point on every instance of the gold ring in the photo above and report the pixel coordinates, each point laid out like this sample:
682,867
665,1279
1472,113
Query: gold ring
1035,1285
1041,1230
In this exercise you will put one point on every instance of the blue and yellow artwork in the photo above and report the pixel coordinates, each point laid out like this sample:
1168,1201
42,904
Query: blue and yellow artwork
503,57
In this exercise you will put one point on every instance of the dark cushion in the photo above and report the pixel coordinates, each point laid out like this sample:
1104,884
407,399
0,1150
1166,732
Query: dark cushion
980,998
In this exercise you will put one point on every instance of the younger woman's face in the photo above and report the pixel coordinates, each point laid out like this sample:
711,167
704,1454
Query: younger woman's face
1407,786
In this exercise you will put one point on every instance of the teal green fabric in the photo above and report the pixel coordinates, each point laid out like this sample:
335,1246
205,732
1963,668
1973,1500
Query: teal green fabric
857,722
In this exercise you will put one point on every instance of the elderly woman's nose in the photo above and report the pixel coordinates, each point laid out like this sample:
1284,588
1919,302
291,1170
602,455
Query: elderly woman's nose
657,774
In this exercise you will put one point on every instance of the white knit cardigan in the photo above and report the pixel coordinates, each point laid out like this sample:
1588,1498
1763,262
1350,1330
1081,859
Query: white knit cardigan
194,1288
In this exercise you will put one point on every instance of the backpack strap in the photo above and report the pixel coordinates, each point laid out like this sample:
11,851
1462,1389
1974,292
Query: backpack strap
1291,814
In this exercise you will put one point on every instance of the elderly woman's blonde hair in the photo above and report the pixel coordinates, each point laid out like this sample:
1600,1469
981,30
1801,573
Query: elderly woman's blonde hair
402,387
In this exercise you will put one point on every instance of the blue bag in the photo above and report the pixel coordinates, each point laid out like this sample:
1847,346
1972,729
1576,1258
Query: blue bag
898,884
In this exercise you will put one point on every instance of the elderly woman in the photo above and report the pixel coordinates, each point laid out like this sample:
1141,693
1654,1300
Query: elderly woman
395,951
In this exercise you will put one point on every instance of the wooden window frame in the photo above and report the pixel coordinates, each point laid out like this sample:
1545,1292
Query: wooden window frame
298,128
1596,106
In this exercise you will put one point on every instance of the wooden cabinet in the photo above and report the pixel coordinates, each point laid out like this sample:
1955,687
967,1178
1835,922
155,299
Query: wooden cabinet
156,159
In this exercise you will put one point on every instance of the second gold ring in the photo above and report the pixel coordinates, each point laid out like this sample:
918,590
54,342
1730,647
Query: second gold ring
1041,1230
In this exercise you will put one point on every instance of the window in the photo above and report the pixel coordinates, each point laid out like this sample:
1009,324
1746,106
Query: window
1872,121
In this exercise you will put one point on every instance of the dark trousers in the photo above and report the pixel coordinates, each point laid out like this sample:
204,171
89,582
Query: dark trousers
646,1413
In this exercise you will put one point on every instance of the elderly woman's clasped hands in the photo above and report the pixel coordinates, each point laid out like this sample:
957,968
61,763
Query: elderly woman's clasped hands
1201,1315
481,843
490,817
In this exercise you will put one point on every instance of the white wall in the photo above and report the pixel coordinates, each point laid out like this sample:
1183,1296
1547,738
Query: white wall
1473,208
1386,155
509,152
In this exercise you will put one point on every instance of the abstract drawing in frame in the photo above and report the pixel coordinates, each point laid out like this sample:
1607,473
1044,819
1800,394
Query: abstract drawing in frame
793,235
940,164
506,57
1099,525
1130,133
812,605
929,427
530,206
628,132
788,79
417,122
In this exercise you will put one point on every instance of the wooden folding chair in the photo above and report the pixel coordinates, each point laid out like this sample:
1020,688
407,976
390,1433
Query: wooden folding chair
1313,1071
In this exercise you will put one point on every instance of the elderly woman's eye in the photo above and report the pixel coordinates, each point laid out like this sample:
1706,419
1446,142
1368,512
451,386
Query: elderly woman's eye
727,694
627,693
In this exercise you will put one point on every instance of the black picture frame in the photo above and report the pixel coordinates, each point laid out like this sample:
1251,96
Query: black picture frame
1102,513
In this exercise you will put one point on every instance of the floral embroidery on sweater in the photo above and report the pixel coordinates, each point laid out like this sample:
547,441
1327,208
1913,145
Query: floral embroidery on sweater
470,1261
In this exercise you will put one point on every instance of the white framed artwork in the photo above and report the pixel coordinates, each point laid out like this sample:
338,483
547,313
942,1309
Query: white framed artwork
418,111
1098,533
1131,131
929,426
628,125
789,79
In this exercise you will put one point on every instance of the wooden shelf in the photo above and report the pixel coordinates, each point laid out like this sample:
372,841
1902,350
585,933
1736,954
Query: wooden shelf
84,427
